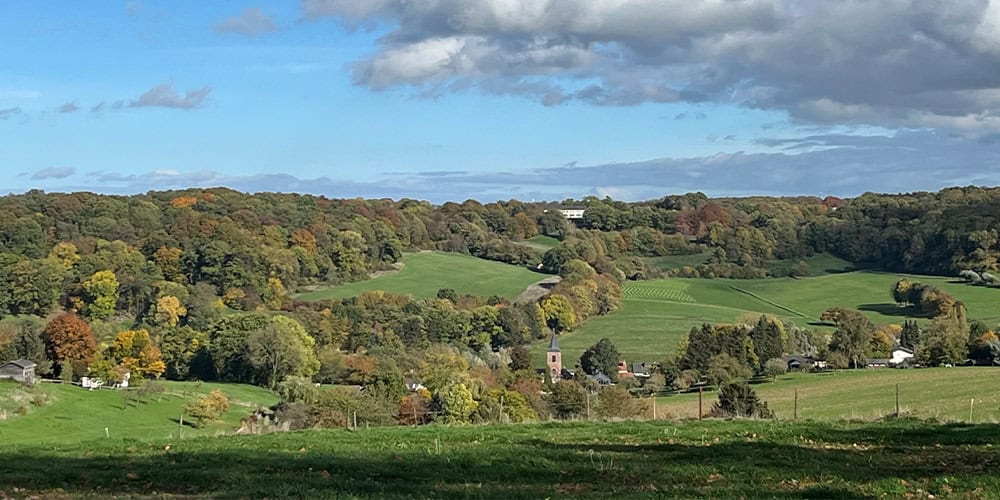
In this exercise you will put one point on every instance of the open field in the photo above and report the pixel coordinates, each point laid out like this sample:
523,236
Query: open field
541,242
73,414
940,393
656,314
720,459
423,274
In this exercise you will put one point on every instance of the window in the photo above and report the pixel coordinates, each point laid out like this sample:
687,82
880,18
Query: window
553,358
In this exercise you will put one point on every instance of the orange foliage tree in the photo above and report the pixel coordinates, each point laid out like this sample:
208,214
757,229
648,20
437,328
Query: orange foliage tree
69,339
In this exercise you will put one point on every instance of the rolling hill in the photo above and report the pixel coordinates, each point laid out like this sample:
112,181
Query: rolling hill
655,315
424,273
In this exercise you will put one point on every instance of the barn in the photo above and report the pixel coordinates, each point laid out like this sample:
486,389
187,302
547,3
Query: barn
20,370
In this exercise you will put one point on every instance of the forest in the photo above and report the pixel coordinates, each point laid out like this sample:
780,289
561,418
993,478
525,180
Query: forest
200,284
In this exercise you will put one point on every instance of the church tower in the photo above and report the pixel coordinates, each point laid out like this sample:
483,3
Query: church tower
554,358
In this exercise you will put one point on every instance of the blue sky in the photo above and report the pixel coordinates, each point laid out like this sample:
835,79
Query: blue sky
494,99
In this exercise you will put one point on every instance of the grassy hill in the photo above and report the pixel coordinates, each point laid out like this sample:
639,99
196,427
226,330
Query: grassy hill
72,414
656,314
423,274
541,242
941,393
718,459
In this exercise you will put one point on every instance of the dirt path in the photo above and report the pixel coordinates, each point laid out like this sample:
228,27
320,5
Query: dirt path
538,290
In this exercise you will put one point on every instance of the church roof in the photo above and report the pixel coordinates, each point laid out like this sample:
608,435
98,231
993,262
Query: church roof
554,344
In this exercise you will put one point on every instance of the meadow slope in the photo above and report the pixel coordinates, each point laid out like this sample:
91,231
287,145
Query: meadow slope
424,273
73,414
656,314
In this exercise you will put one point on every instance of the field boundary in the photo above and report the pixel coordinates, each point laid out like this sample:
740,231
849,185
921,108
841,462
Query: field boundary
770,302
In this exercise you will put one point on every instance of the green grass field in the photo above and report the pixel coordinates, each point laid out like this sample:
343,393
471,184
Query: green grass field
940,393
425,273
715,459
73,414
668,262
656,314
541,242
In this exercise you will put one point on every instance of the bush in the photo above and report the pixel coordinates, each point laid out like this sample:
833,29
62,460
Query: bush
616,402
738,400
209,408
775,367
295,389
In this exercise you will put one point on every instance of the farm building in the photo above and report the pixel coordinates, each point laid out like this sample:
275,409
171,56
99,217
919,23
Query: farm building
877,363
804,363
571,213
900,355
20,370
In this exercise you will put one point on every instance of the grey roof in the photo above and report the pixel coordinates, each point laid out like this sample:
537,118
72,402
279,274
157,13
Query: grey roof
21,363
639,367
554,343
600,378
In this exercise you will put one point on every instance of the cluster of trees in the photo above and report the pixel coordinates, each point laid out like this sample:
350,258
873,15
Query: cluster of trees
717,354
458,386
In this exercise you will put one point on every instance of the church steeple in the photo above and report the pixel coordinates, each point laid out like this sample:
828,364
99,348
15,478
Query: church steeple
553,358
554,343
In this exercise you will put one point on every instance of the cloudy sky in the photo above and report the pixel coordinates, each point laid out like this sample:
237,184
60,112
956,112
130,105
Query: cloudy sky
493,99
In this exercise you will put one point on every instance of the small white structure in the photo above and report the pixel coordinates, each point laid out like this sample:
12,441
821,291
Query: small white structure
900,355
96,383
573,213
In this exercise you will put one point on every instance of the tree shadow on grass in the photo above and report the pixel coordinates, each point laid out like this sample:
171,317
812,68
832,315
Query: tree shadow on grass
888,309
823,460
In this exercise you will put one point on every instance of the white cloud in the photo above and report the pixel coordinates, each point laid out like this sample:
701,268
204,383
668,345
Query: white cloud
898,63
250,22
166,96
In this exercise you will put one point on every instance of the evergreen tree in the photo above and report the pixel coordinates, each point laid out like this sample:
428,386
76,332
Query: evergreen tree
767,339
910,336
602,357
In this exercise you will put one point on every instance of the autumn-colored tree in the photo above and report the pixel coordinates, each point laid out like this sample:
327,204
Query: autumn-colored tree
183,201
304,239
134,350
65,253
209,408
559,313
168,259
275,293
69,339
169,311
102,294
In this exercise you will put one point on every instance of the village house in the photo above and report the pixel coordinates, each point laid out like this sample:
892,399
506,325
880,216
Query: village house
20,370
572,213
804,363
900,355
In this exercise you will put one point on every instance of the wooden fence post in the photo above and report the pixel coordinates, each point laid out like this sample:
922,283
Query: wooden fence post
795,408
897,400
700,390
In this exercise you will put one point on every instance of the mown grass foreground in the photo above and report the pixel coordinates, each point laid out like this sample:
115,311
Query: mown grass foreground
423,274
580,460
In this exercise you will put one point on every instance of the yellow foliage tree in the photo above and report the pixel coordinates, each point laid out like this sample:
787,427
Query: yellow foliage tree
169,310
134,350
65,253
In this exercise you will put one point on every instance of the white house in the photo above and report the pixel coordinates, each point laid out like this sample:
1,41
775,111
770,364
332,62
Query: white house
900,355
572,213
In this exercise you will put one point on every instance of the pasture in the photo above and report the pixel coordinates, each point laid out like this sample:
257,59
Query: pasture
656,314
424,273
718,459
938,393
73,414
541,242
